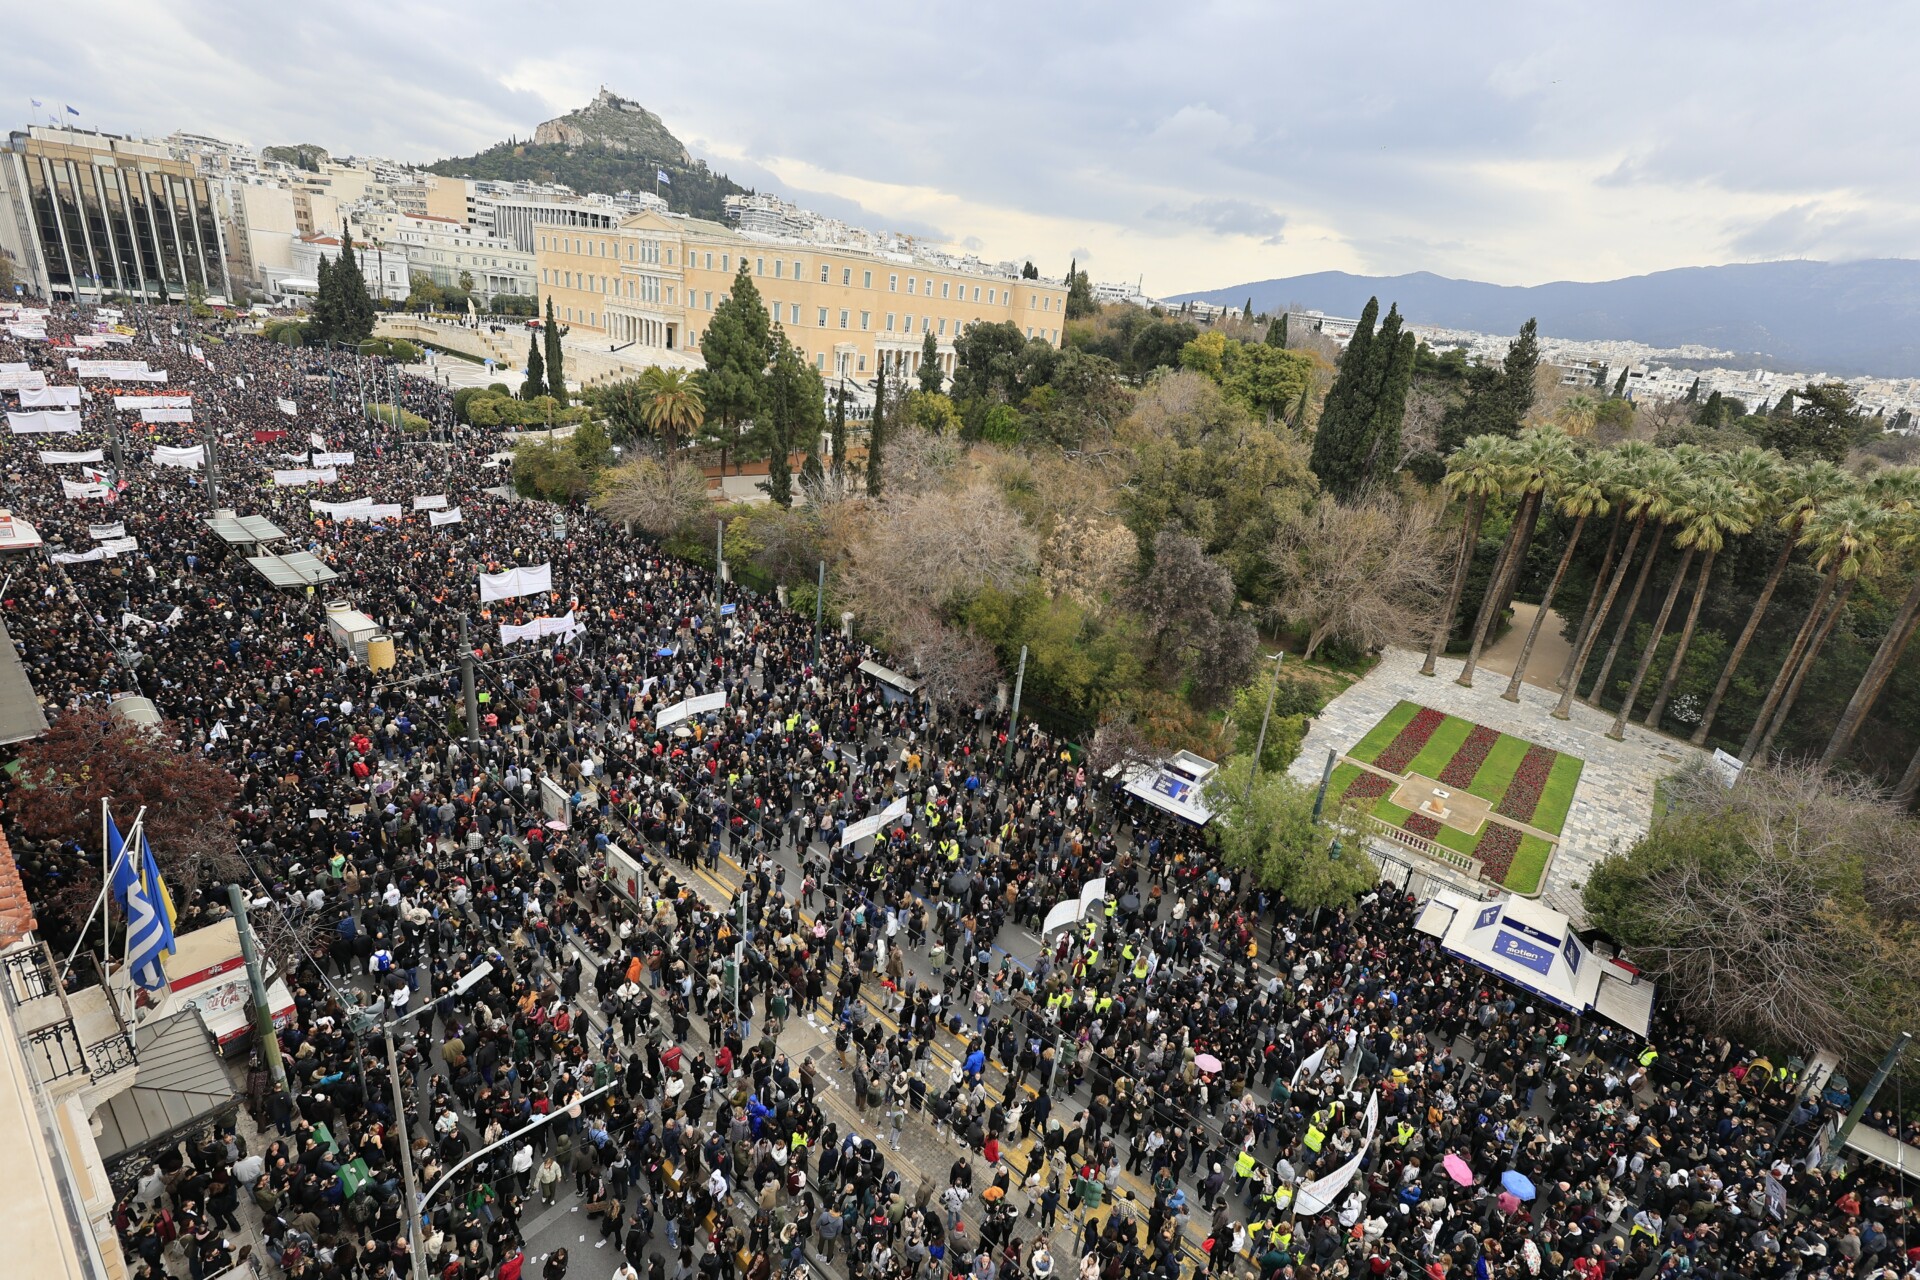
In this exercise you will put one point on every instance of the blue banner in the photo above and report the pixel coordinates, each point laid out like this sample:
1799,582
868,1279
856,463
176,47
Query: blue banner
1512,946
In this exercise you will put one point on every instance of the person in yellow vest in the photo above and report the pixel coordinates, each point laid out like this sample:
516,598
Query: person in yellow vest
1243,1166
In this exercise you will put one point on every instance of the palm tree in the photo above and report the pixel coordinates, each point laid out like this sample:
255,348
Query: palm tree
1584,493
1538,458
1665,479
1804,489
1577,416
675,408
1844,538
1626,458
1755,473
1705,513
1476,473
1642,492
1897,489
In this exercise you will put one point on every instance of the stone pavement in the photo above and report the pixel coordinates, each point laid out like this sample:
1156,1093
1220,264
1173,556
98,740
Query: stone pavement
1613,805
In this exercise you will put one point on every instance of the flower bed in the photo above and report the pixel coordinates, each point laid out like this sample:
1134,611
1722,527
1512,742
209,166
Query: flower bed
1467,760
1366,788
1401,751
1529,780
1498,843
1421,825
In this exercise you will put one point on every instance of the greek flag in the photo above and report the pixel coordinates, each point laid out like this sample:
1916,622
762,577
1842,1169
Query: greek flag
149,907
661,175
71,111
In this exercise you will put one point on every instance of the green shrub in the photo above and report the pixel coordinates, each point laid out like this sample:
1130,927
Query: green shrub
409,422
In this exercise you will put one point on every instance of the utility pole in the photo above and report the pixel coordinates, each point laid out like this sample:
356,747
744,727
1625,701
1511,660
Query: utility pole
1865,1099
1013,724
416,1247
1260,746
213,468
1326,775
466,686
819,602
263,1035
719,566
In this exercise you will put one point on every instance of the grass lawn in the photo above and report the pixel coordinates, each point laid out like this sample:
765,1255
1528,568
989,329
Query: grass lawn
1528,864
1441,747
1490,783
1381,736
1557,796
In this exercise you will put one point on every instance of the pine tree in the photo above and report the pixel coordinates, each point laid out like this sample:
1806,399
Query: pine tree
840,432
876,438
556,361
354,314
1277,332
1348,412
1620,386
1523,358
930,376
737,346
536,383
794,398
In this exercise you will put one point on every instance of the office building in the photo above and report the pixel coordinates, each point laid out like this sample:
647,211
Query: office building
85,214
654,280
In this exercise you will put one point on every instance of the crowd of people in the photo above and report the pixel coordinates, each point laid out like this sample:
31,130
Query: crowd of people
1142,1094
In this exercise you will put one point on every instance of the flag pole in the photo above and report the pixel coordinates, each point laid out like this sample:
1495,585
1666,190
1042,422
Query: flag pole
106,883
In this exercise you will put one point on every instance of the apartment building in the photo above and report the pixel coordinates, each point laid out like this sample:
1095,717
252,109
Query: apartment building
655,280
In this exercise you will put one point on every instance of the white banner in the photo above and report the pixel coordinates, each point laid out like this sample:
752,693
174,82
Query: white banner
1315,1196
1062,915
193,456
873,823
57,458
313,438
151,375
527,581
106,368
153,402
566,628
435,502
359,509
25,380
286,406
102,532
50,398
166,415
306,475
81,492
695,706
120,546
79,557
47,422
332,459
438,518
1309,1067
89,340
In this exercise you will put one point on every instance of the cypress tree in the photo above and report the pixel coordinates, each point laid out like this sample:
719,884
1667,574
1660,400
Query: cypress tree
1247,312
536,383
353,314
1693,392
1620,386
1600,379
1277,332
840,432
930,375
1783,408
324,321
1390,401
1346,417
556,361
876,438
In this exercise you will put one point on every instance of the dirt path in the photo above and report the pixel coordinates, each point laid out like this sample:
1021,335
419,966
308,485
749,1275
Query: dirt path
1550,651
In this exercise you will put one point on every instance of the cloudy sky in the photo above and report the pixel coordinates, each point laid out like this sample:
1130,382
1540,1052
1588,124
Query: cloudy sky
1192,145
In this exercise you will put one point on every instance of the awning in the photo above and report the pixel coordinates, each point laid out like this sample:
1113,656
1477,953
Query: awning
1624,998
887,675
292,569
1534,947
181,1085
244,530
21,716
1177,784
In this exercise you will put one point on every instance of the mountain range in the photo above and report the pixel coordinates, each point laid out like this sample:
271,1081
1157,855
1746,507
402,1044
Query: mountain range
1845,318
610,145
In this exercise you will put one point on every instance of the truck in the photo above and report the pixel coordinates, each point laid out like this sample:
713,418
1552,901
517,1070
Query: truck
350,628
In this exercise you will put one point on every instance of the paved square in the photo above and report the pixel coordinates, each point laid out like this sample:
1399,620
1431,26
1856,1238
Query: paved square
1614,803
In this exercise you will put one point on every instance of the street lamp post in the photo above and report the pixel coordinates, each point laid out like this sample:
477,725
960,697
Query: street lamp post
416,1246
1260,746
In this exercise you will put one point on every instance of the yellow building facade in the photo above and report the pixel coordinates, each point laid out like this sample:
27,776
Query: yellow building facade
655,281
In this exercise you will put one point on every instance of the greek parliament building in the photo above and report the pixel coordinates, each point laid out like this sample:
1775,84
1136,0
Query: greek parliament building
654,280
91,213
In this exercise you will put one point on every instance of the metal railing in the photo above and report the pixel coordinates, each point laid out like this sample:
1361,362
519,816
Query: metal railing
1421,845
113,1054
29,974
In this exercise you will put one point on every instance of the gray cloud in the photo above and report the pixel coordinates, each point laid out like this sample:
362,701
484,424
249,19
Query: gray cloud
1225,215
1526,150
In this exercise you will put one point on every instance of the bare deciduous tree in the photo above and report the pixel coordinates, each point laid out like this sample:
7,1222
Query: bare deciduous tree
955,666
1368,574
925,548
1087,560
659,497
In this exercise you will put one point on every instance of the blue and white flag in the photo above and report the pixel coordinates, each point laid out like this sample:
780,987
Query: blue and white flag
149,907
36,102
661,175
71,111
